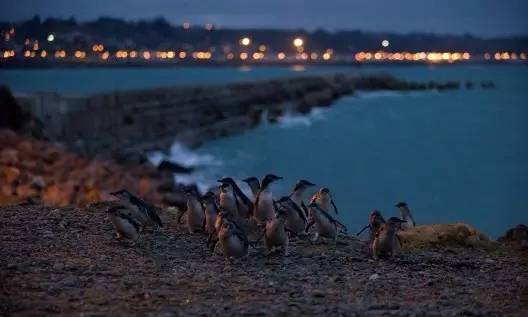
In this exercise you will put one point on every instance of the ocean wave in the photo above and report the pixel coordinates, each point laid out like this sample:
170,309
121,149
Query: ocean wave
204,173
389,93
290,120
203,179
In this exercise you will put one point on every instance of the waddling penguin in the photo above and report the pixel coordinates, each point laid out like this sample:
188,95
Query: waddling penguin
125,225
223,216
264,204
211,211
233,241
298,192
376,220
385,242
226,199
244,205
324,199
275,232
325,225
195,221
405,214
254,185
142,211
296,219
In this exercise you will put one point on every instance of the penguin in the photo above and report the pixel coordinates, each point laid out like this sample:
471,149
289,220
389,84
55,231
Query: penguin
405,214
142,211
222,217
226,198
195,221
275,232
243,204
324,199
264,204
298,192
296,219
211,211
385,241
326,226
376,220
233,241
254,185
125,225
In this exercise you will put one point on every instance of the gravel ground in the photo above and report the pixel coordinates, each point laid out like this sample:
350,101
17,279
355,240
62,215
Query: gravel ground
66,261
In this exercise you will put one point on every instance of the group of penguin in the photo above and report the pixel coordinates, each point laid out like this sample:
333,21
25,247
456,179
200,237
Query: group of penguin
231,218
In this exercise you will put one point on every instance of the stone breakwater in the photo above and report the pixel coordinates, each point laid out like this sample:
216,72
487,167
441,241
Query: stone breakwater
120,122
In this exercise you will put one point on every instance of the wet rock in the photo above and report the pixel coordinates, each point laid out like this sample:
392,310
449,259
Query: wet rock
174,167
9,174
517,236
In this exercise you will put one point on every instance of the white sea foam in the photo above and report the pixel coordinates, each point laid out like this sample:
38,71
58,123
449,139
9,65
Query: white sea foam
389,93
203,164
290,120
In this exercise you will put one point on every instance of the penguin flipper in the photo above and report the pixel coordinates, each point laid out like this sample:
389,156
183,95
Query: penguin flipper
300,212
180,216
364,228
309,225
146,208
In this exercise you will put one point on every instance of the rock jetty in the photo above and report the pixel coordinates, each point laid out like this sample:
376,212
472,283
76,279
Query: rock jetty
136,121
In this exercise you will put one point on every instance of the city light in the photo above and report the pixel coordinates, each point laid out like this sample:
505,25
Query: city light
281,56
51,38
146,55
243,56
298,42
245,41
258,55
186,25
385,43
43,54
182,54
262,48
201,55
105,55
209,27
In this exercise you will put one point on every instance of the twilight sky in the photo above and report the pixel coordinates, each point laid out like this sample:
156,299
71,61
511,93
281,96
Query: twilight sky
480,17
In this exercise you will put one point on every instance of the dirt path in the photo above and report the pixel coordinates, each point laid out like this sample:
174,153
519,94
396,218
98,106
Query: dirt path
65,261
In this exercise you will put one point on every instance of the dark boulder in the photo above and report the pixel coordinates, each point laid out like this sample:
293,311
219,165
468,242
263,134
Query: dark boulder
517,236
168,166
17,119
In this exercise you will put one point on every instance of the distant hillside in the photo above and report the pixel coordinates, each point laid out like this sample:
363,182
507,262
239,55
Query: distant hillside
159,34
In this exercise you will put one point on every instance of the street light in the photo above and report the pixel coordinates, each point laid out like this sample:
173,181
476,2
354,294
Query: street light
298,42
245,41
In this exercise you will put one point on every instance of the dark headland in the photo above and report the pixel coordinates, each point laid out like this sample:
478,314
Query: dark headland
58,255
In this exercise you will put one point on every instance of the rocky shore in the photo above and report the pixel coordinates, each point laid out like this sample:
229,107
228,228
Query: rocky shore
66,261
34,171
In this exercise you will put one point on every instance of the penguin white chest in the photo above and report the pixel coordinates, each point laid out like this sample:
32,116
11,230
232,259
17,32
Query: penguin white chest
324,226
125,228
232,246
265,208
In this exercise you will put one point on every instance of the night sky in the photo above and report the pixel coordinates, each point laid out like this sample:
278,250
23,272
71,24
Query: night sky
480,17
